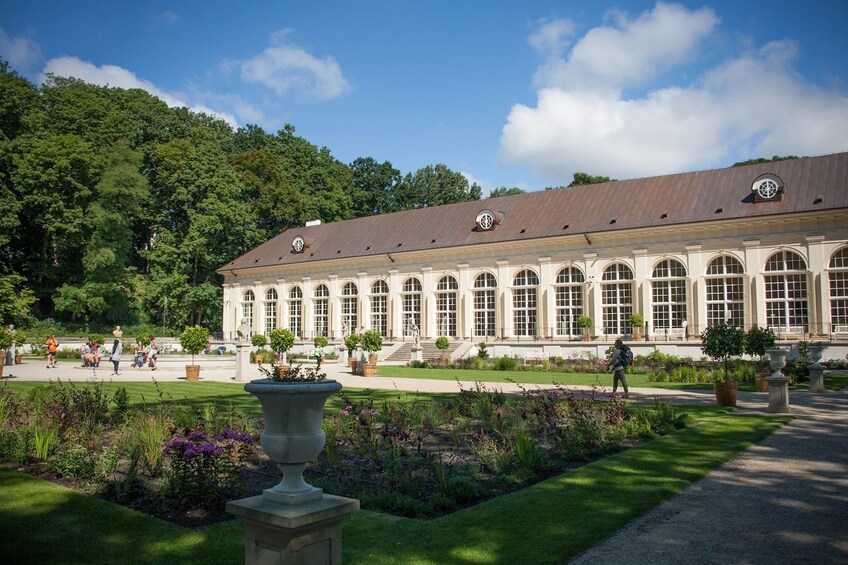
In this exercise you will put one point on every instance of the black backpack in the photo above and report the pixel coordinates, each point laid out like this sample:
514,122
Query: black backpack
625,356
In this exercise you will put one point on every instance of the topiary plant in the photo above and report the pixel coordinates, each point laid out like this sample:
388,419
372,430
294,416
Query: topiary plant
722,341
758,340
442,343
193,339
371,341
352,341
259,340
320,341
5,339
282,340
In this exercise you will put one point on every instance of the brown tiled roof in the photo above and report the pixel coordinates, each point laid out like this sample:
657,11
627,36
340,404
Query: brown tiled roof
811,184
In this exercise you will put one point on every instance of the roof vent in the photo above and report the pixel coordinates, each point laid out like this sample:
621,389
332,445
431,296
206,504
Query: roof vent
612,221
523,230
565,227
818,200
719,210
663,216
368,248
313,223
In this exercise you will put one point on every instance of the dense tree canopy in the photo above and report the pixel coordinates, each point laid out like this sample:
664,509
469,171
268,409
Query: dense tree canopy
118,209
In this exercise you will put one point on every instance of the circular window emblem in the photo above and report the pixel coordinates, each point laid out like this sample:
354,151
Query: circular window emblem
767,188
298,244
486,220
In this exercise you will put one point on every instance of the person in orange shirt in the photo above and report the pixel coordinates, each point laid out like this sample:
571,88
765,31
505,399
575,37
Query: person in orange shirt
52,347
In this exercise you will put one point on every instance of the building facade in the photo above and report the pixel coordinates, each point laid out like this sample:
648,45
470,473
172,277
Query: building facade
762,245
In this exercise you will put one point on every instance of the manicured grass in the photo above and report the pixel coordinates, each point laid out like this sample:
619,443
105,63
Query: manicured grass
635,380
550,522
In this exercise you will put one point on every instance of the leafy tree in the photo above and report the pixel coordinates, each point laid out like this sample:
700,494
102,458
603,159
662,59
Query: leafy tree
193,339
506,191
15,300
584,178
373,186
434,186
723,341
759,160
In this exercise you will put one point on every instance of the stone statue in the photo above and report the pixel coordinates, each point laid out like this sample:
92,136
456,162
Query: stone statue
243,330
416,334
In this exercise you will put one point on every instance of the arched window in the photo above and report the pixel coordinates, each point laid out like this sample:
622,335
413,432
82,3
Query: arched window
668,294
247,300
270,310
446,294
379,308
410,296
725,291
321,308
350,306
617,299
838,276
296,311
485,286
569,301
786,292
525,288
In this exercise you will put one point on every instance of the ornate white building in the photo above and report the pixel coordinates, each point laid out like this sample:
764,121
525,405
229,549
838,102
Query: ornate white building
763,245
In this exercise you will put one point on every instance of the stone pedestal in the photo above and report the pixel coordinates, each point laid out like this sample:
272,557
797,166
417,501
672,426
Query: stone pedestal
416,354
816,369
243,362
778,383
293,533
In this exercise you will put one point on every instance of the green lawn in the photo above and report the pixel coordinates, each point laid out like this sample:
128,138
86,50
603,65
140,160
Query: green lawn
547,523
832,381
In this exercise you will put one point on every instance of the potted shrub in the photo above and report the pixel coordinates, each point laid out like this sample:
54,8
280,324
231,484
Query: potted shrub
5,344
721,342
637,321
757,341
193,339
352,342
20,339
584,322
282,340
259,341
442,345
292,400
372,342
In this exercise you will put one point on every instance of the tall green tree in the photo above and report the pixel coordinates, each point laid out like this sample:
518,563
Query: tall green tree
373,185
584,178
506,191
434,186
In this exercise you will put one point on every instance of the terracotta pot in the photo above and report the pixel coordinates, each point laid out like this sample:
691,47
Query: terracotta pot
369,370
18,359
258,358
761,382
726,392
351,362
372,359
192,372
293,434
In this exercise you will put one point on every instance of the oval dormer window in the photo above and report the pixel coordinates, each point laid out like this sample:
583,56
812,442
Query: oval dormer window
767,187
486,220
298,244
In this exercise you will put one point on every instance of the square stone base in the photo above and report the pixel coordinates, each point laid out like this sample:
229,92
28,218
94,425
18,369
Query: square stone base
293,533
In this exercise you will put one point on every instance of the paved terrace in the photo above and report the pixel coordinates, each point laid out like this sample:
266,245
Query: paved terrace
784,500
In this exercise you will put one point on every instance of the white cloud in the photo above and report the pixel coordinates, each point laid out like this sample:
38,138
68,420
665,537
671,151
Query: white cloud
552,37
753,105
286,69
22,53
112,75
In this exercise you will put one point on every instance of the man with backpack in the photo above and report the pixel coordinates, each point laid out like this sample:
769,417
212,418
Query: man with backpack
621,358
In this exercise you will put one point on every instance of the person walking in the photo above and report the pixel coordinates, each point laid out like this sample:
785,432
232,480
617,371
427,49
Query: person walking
619,360
117,349
154,353
52,347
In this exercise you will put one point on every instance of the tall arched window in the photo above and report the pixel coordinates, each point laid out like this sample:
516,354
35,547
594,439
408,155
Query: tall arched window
296,311
786,292
247,300
838,276
484,305
379,308
446,293
725,291
270,310
525,288
350,306
668,294
569,301
321,308
411,305
617,299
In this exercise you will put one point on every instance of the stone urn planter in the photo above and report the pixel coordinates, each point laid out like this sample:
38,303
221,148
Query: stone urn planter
293,435
777,360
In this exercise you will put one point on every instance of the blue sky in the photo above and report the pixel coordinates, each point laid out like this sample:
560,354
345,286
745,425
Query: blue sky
510,93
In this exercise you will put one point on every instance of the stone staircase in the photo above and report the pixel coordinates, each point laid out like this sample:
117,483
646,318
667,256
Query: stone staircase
428,351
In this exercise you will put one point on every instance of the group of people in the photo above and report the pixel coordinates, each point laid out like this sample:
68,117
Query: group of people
93,352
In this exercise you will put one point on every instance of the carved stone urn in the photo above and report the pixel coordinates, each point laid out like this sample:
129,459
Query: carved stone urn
293,435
